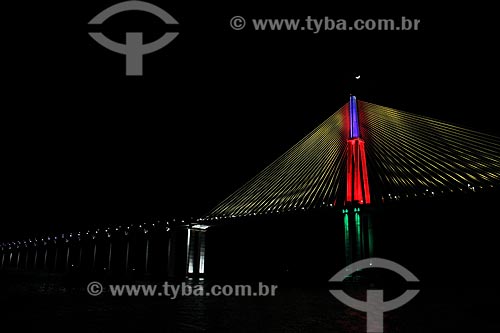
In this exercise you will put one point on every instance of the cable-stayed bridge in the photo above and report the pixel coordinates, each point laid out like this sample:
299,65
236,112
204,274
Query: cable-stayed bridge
362,157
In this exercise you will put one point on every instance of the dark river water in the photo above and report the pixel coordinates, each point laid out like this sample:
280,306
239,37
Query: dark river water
47,304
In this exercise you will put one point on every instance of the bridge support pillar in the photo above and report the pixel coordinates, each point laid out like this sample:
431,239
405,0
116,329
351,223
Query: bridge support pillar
172,253
186,251
358,234
196,248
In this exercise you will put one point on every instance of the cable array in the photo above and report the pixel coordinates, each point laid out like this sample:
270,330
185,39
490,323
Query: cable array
408,156
305,176
411,155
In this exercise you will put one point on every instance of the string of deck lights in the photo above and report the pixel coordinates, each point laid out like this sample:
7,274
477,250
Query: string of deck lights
93,233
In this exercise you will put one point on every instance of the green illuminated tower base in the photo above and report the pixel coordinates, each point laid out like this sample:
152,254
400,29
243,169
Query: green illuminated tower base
358,234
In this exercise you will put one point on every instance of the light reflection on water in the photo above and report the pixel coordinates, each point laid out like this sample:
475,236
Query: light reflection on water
52,306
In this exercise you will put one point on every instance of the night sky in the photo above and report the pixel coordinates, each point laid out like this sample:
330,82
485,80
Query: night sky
83,144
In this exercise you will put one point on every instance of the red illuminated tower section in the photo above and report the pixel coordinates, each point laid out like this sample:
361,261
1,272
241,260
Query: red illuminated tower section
358,189
358,227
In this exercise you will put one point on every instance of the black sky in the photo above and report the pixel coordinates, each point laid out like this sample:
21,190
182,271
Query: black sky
83,144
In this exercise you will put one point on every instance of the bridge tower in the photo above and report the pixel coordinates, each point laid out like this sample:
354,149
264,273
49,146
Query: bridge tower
358,227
